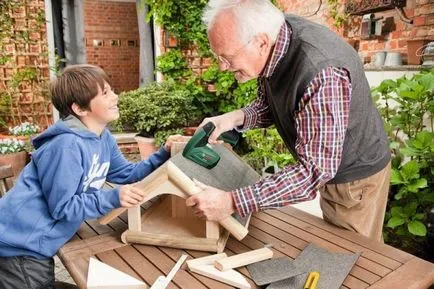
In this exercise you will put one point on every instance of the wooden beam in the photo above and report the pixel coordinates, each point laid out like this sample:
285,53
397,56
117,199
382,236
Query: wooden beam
230,277
243,259
134,219
191,243
207,260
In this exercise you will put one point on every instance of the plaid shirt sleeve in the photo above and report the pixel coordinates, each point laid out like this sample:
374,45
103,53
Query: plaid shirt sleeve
321,123
257,114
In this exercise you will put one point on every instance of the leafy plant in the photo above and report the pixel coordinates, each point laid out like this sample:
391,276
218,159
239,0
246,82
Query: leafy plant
266,148
11,145
156,107
172,64
336,13
24,129
181,18
5,107
407,106
162,135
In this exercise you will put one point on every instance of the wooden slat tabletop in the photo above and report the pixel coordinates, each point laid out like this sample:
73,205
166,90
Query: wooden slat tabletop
289,230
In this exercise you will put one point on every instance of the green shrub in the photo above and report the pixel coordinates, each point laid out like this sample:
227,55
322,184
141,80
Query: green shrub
156,107
405,105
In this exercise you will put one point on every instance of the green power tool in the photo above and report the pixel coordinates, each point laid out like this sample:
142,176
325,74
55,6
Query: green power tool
198,150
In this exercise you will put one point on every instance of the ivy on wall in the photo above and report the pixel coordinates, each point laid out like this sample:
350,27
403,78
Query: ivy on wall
24,69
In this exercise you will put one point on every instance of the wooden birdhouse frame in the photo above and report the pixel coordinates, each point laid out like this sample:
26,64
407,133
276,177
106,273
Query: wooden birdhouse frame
169,222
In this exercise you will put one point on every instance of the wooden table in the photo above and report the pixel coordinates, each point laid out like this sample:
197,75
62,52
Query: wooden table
288,229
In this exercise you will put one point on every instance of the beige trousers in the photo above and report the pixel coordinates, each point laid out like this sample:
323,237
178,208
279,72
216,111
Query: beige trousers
358,206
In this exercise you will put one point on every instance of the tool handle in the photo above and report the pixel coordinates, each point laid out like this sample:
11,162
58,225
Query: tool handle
188,186
311,280
243,259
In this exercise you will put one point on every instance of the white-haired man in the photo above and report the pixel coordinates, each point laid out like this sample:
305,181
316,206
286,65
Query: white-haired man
312,87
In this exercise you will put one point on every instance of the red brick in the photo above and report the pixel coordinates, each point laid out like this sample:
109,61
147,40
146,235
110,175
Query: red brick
393,44
430,19
419,20
402,43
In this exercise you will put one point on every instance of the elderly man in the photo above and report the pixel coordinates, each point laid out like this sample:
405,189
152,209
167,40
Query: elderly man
312,87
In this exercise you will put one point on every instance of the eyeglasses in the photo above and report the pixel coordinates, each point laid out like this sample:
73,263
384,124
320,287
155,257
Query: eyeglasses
224,61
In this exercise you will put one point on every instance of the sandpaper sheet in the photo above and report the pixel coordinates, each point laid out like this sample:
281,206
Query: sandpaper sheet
230,172
333,268
272,270
294,282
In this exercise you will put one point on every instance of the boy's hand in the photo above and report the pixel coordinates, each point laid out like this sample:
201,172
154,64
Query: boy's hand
171,139
130,196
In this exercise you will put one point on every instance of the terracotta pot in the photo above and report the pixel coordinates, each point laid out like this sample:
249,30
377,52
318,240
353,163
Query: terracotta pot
189,131
146,146
17,160
18,137
414,50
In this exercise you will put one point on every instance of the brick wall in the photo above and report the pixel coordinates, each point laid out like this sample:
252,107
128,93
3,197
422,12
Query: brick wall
24,71
113,23
421,11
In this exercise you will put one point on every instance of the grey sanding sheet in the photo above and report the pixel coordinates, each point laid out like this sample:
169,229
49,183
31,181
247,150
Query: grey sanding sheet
294,282
272,270
332,267
230,172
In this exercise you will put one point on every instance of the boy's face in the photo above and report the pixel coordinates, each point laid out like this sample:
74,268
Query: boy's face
104,106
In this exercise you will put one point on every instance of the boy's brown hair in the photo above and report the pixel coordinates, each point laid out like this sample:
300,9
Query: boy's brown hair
77,84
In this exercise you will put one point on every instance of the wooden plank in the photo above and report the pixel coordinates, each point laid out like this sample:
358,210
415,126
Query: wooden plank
373,245
206,260
134,219
415,274
85,231
101,275
118,225
212,230
97,227
165,264
191,243
6,172
374,256
80,244
116,261
244,259
210,283
230,277
143,267
305,235
78,271
103,245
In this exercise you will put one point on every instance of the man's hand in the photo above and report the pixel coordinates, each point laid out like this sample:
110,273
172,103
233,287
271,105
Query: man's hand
130,196
223,123
171,139
212,204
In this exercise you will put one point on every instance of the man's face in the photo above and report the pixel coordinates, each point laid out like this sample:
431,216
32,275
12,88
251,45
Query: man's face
245,60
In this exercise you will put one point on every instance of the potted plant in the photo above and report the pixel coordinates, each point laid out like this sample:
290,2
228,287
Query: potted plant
24,131
156,108
13,152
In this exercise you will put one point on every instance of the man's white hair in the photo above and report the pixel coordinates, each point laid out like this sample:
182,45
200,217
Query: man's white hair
251,17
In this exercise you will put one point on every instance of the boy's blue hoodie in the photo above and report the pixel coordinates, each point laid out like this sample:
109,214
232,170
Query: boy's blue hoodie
62,186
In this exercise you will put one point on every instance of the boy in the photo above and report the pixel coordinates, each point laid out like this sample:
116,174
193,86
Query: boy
62,185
